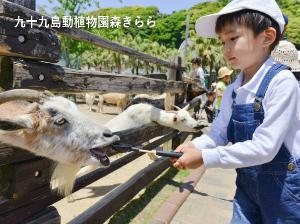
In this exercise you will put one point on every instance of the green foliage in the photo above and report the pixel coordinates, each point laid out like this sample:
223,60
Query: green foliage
70,48
291,8
159,41
169,30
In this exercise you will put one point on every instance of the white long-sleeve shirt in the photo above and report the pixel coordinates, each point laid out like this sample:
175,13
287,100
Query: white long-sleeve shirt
281,123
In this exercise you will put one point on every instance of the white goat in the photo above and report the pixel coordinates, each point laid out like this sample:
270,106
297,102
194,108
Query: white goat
54,128
141,114
89,100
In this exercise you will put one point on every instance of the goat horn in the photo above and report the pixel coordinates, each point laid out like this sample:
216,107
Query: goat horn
12,124
176,107
24,94
186,107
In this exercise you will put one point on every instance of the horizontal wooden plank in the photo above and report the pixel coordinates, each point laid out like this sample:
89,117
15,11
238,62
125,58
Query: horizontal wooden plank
13,10
156,76
10,155
142,134
21,178
34,43
48,216
112,202
13,211
38,75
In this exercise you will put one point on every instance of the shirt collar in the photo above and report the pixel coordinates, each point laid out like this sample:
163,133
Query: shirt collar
254,83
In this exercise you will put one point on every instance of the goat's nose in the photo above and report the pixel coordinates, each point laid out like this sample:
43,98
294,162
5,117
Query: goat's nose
201,125
107,134
198,127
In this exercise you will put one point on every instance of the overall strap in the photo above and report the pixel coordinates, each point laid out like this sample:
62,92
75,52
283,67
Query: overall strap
274,70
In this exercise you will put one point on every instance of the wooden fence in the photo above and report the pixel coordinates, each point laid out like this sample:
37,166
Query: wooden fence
27,57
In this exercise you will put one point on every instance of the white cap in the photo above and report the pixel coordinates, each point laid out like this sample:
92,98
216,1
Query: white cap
205,25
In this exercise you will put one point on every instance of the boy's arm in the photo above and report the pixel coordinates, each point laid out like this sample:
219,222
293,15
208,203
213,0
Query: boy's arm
217,136
281,113
192,154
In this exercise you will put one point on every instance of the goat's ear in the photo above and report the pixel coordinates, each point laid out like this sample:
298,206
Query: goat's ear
33,108
16,123
186,107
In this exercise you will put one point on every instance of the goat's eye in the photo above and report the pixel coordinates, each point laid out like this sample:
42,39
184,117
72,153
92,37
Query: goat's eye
183,119
60,121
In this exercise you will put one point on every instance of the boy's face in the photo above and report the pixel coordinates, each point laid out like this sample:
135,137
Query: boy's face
240,47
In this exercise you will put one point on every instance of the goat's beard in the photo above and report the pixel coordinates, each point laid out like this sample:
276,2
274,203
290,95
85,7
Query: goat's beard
63,178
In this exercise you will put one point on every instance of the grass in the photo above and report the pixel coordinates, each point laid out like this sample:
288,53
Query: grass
142,209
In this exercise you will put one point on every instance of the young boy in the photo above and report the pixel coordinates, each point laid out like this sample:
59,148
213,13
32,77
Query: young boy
259,115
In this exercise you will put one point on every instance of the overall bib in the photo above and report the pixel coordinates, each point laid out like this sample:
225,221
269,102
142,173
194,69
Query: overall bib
267,193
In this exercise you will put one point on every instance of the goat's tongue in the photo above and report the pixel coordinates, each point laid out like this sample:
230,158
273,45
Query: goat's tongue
105,160
100,154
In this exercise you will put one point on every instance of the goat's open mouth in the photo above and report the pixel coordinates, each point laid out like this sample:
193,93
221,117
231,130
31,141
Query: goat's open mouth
100,154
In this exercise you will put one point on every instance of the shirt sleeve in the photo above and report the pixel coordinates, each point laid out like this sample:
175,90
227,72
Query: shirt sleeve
281,110
218,133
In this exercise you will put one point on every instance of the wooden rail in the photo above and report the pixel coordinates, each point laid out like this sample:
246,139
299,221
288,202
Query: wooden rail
111,203
35,43
119,197
40,75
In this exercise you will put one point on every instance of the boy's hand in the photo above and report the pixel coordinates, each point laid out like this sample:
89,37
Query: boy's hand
191,158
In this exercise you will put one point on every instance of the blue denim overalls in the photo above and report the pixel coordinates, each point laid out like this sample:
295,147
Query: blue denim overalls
267,193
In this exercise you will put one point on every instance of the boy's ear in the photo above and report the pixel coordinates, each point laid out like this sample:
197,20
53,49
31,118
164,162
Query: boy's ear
269,36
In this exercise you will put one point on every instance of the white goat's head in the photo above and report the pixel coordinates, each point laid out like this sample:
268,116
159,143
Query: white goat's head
52,127
183,121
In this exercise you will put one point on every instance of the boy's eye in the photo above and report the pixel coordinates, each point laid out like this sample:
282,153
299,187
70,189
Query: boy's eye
233,38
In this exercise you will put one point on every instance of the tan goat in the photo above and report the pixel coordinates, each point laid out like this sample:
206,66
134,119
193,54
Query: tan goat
118,99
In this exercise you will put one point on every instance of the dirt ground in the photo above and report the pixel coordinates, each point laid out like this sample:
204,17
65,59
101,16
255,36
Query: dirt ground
89,195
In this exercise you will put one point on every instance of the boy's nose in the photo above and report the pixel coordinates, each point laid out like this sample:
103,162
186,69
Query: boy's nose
226,48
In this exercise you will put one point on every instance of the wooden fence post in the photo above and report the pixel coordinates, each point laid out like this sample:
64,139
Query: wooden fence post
172,99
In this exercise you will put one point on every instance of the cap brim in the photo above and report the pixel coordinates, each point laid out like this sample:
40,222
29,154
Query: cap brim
205,25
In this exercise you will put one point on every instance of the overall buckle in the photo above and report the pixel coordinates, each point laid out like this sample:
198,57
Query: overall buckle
257,104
